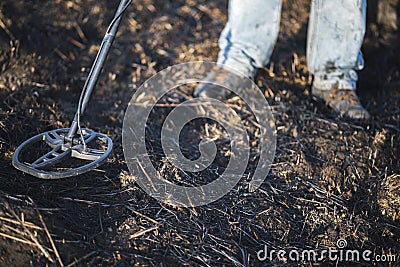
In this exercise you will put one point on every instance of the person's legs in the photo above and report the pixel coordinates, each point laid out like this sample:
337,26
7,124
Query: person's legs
246,43
335,35
250,34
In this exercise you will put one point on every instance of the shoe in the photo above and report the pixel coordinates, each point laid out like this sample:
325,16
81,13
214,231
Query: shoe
343,101
209,88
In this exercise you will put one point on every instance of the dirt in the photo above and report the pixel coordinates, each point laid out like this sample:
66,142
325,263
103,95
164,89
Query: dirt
331,178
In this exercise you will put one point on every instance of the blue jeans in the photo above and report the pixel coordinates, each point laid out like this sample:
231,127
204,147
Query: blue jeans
335,34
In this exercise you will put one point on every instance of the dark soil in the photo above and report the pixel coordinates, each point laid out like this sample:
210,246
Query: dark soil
331,178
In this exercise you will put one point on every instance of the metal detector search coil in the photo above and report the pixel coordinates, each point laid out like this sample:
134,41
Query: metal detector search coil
64,158
71,151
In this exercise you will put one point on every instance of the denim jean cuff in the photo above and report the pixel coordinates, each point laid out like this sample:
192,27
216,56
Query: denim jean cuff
338,79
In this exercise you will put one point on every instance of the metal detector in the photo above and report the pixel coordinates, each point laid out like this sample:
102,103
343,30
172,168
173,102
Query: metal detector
71,151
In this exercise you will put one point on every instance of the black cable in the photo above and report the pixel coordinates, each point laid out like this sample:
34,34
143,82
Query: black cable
118,16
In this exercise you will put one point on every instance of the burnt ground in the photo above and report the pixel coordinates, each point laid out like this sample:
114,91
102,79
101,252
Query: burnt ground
331,178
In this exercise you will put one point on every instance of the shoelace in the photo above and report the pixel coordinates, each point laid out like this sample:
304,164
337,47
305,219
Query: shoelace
338,95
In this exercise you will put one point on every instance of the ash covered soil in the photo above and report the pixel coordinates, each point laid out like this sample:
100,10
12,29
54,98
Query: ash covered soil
330,179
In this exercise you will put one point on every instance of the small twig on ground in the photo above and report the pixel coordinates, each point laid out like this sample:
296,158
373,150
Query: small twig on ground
28,224
5,28
77,43
33,238
80,32
88,202
144,216
142,232
50,239
27,242
229,257
81,259
61,54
